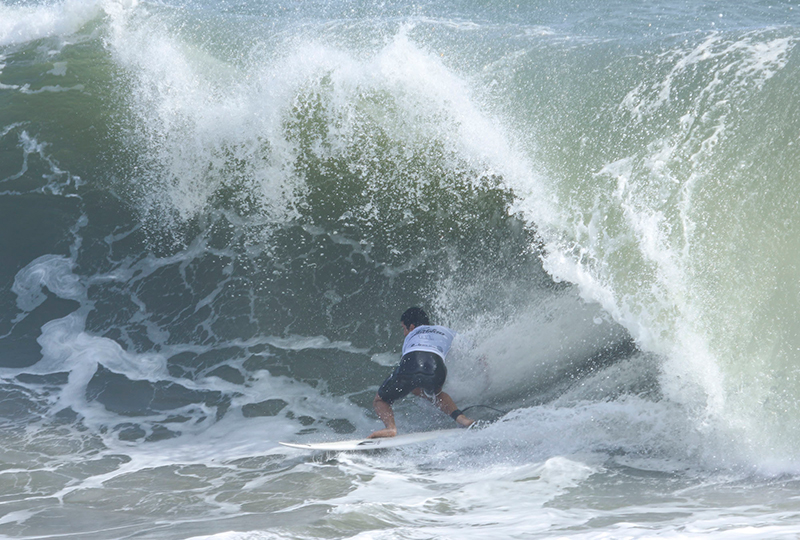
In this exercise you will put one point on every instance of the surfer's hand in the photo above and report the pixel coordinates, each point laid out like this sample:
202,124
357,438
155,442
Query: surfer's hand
382,433
463,421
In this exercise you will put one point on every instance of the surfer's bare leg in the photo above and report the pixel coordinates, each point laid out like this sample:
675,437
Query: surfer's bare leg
447,406
385,413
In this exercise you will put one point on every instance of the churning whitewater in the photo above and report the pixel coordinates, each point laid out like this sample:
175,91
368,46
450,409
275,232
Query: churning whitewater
214,213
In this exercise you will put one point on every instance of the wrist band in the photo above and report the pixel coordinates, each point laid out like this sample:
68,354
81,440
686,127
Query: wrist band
455,414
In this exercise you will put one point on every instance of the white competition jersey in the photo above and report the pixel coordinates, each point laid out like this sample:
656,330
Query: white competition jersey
435,339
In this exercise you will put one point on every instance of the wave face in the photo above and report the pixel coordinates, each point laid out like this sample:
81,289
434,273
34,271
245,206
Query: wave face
214,215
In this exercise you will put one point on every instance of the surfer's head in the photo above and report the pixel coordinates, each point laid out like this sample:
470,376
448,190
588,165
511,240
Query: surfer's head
415,316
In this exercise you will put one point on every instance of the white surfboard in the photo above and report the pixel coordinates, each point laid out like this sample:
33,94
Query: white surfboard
373,444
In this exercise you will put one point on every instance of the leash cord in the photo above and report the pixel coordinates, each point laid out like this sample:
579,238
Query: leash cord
465,409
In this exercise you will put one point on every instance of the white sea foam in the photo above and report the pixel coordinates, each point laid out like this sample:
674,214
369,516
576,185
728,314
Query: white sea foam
475,499
53,272
21,24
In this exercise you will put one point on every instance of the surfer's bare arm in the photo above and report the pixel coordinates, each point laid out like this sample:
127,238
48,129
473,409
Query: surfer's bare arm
385,413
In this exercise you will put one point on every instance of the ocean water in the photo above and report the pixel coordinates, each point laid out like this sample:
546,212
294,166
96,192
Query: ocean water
214,212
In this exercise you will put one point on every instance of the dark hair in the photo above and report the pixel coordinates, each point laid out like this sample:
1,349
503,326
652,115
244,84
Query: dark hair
415,316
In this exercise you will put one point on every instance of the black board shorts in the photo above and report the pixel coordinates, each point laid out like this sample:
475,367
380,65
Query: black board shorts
417,369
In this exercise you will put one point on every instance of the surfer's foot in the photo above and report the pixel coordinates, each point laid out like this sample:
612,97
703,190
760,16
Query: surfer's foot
383,433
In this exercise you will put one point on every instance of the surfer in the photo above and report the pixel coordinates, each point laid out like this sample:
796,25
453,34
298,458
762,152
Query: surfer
421,371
